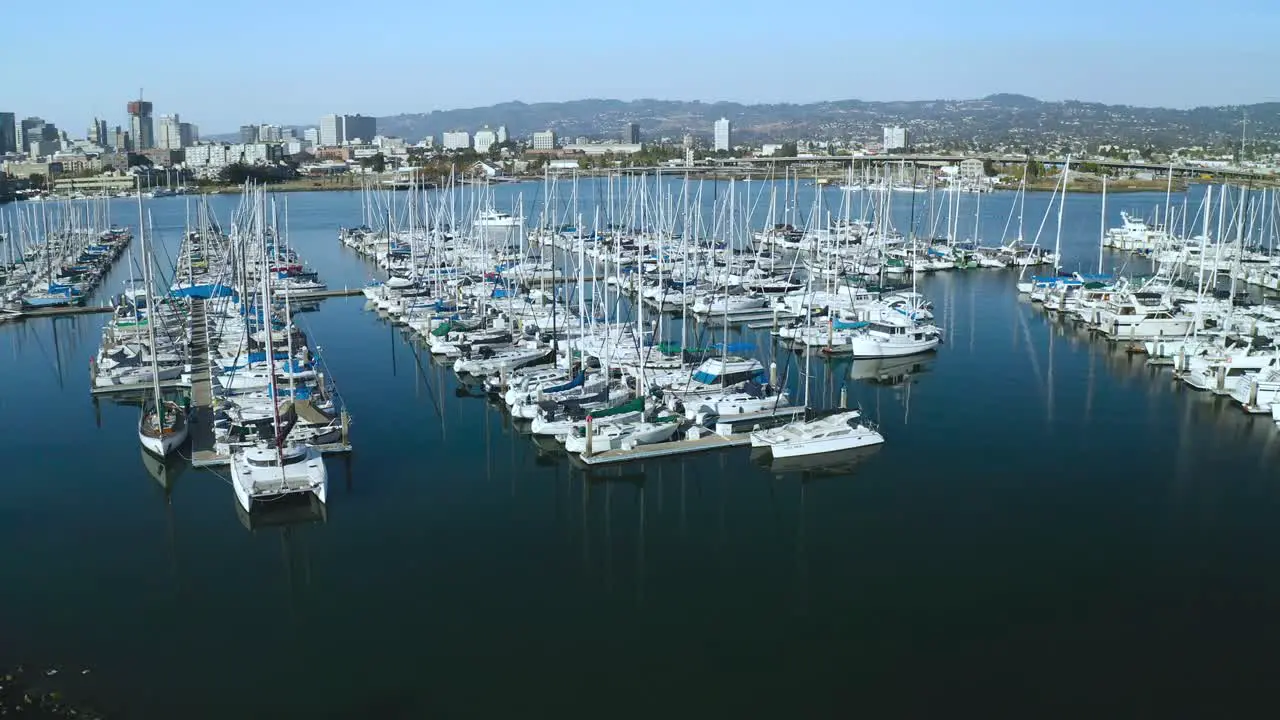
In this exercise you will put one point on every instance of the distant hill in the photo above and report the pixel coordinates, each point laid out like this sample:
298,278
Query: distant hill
1003,119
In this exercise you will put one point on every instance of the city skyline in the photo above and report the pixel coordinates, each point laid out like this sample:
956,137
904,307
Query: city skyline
1099,52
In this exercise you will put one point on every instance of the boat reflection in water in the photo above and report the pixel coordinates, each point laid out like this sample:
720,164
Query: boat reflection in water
297,509
164,470
813,467
892,370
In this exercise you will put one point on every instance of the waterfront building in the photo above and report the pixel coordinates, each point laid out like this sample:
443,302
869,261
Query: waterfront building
972,170
485,140
8,133
140,125
895,138
456,140
723,134
544,140
631,133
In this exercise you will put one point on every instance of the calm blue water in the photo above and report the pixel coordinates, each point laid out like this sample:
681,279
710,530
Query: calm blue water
1050,526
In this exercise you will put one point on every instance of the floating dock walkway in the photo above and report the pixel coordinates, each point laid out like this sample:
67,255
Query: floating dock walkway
728,434
203,452
70,310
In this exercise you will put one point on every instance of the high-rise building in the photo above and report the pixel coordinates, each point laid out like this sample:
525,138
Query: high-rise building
140,125
98,133
502,134
457,140
120,140
723,134
631,133
895,138
35,129
485,139
248,134
270,133
8,133
544,140
331,130
361,128
174,134
347,129
312,135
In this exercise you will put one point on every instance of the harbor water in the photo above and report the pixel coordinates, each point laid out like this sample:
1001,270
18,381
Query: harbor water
1050,526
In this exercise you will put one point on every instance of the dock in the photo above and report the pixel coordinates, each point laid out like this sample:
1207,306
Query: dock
73,310
728,433
325,294
63,311
671,448
203,452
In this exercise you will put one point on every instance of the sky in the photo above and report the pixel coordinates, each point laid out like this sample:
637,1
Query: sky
231,62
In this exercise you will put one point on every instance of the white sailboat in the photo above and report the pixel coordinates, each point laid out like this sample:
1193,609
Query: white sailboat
162,426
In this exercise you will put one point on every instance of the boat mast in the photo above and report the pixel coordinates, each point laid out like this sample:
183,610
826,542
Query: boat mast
1062,205
1102,230
151,317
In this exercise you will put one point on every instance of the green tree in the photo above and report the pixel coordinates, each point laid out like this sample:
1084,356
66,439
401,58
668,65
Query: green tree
788,149
989,168
37,181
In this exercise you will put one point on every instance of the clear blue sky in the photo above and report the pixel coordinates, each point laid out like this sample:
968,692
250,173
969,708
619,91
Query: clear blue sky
229,62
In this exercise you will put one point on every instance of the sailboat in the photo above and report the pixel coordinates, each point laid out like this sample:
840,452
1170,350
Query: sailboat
162,426
269,469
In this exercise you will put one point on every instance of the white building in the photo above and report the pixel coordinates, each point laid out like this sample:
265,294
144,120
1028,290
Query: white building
330,130
972,169
456,140
312,135
502,134
723,134
218,155
544,140
770,149
895,138
389,144
485,139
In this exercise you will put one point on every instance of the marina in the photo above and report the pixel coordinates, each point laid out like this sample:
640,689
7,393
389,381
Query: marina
1028,447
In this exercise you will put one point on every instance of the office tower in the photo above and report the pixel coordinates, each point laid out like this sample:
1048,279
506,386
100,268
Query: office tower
8,133
631,133
140,125
248,134
723,134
